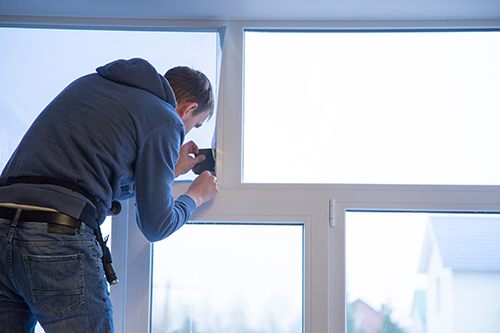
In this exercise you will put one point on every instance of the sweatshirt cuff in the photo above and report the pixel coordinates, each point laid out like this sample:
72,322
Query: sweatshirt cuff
188,201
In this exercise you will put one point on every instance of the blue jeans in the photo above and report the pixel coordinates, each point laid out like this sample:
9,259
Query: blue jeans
55,279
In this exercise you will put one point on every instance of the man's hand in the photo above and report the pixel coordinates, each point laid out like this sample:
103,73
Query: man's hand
186,160
203,188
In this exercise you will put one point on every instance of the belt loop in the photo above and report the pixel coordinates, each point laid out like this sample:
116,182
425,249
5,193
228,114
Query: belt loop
13,225
15,220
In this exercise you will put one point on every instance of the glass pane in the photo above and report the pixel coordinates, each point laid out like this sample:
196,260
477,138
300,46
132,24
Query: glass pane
214,278
372,107
416,272
41,62
106,230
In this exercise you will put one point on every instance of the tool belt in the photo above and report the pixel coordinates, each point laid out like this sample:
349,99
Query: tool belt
62,223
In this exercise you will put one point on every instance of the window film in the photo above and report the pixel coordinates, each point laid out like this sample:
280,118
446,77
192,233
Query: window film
371,107
229,278
417,272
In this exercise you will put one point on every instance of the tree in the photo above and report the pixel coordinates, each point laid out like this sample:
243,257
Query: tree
388,326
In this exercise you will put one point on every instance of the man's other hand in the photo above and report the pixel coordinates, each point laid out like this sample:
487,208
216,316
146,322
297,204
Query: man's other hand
187,158
203,188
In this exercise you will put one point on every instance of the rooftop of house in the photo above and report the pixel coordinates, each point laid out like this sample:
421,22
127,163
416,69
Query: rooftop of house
468,243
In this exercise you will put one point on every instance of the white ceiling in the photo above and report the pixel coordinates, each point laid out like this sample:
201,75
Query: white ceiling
257,9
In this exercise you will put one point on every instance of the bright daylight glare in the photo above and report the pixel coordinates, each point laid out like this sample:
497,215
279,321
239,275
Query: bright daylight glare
372,108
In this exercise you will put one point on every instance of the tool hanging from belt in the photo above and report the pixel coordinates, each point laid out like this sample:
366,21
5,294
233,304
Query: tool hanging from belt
87,216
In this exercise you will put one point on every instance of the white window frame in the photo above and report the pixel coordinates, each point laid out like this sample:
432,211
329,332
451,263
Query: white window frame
307,204
134,290
324,307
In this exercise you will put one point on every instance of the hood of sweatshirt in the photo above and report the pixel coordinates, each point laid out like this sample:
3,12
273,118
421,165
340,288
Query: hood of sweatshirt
140,74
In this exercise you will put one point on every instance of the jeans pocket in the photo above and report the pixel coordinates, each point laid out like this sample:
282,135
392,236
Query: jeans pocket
56,282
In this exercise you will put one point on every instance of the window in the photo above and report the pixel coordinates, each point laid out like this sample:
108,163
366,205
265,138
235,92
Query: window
229,278
438,295
382,256
422,272
268,194
272,253
324,246
41,62
370,107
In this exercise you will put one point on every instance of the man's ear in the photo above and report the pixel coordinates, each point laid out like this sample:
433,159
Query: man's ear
186,109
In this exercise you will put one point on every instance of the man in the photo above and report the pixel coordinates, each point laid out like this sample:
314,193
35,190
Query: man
107,136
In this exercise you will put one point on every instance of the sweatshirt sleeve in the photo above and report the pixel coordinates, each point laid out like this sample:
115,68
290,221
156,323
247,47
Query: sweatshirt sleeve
158,214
